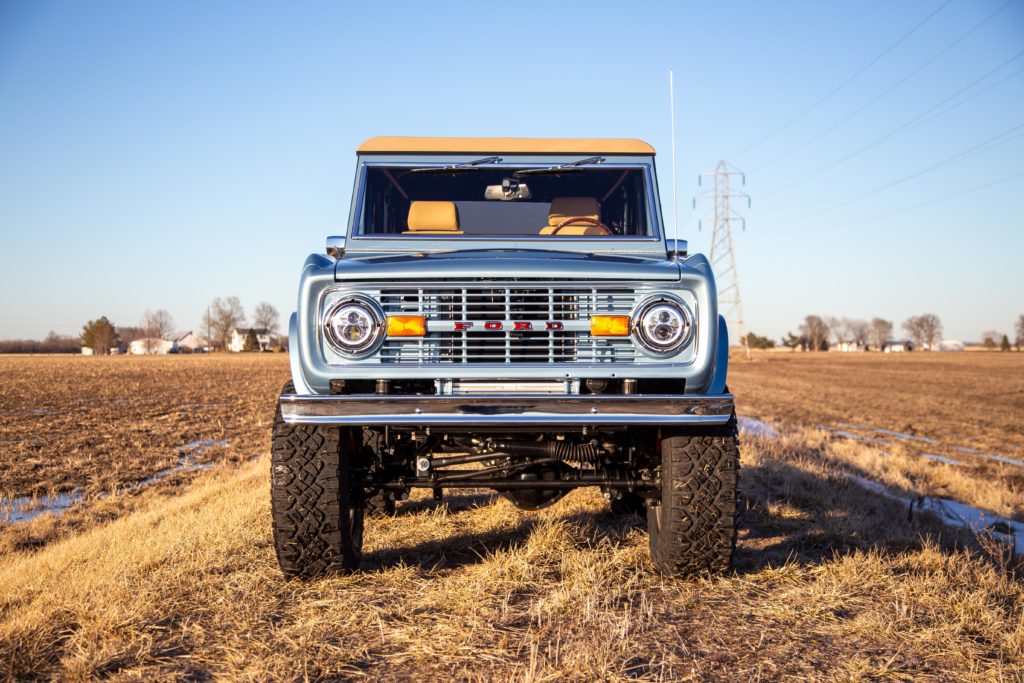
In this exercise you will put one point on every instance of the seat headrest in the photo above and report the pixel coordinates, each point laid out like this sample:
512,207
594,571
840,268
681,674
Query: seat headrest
567,207
433,217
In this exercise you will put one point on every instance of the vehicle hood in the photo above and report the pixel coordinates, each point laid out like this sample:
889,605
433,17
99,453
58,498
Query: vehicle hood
505,264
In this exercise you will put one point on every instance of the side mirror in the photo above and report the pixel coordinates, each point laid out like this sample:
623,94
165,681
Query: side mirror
509,190
676,249
336,247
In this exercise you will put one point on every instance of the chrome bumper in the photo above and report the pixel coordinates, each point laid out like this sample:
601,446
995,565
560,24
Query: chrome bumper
497,410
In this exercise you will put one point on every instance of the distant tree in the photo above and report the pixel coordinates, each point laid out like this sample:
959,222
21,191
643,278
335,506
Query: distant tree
989,339
221,317
912,326
99,335
925,329
1005,344
881,332
931,328
1020,332
266,317
858,331
816,331
792,341
755,341
53,343
129,334
251,342
158,325
60,343
837,328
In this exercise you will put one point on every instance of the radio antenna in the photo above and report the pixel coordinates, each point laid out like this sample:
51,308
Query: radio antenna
672,114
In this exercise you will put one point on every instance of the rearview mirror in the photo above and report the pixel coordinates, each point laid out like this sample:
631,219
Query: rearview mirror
509,190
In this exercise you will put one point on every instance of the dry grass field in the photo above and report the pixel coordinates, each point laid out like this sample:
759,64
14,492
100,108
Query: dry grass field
968,399
833,580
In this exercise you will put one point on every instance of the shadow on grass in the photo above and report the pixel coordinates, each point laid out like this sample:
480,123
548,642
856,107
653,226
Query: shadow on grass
793,515
455,502
789,514
451,552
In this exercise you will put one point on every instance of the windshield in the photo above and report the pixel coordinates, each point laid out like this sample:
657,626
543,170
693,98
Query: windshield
484,200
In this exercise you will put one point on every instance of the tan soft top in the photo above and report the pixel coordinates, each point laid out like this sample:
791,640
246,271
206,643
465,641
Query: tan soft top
505,145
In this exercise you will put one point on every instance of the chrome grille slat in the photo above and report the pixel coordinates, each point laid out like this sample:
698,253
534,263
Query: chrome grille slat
527,301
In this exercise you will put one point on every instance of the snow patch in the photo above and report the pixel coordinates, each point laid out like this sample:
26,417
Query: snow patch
941,458
953,513
26,508
754,427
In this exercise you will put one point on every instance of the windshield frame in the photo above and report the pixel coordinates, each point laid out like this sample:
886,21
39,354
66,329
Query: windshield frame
382,244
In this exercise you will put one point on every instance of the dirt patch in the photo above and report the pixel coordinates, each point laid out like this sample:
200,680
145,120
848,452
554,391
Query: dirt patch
93,424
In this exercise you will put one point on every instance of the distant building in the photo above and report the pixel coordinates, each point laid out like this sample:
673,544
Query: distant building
848,346
190,342
898,346
86,350
152,345
237,341
951,345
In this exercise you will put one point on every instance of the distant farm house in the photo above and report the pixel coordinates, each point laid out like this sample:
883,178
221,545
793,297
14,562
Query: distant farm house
898,346
951,345
237,341
152,345
114,350
850,346
190,342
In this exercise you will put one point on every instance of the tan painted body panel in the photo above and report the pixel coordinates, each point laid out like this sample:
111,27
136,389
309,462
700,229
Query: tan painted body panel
505,145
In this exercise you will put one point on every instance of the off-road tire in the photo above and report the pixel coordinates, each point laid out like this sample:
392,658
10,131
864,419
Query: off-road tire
629,504
693,530
317,516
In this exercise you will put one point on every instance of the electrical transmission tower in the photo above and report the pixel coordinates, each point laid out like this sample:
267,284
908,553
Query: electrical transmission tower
723,254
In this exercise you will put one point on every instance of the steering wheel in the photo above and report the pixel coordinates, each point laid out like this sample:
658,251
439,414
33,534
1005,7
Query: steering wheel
583,219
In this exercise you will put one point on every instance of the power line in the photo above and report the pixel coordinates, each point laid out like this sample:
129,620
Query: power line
846,82
907,125
825,132
922,205
967,99
974,150
938,114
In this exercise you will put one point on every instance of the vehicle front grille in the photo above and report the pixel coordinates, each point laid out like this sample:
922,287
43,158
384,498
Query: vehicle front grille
537,304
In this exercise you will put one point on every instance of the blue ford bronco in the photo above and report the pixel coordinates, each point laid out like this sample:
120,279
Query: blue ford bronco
505,314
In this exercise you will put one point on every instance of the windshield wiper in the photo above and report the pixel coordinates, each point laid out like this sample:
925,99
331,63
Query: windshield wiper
459,168
571,166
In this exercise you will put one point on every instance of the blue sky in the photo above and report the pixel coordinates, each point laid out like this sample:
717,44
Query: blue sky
159,155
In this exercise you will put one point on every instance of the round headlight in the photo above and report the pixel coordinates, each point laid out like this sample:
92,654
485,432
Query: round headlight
354,326
662,326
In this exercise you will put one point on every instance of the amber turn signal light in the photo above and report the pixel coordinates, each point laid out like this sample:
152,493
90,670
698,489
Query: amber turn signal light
407,326
609,326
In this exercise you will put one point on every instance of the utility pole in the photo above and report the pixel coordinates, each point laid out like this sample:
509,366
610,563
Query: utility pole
723,254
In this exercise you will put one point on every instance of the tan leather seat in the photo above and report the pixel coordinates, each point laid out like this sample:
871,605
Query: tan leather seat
433,218
564,208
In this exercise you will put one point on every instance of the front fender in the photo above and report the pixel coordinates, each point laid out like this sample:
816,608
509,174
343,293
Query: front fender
721,365
298,379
